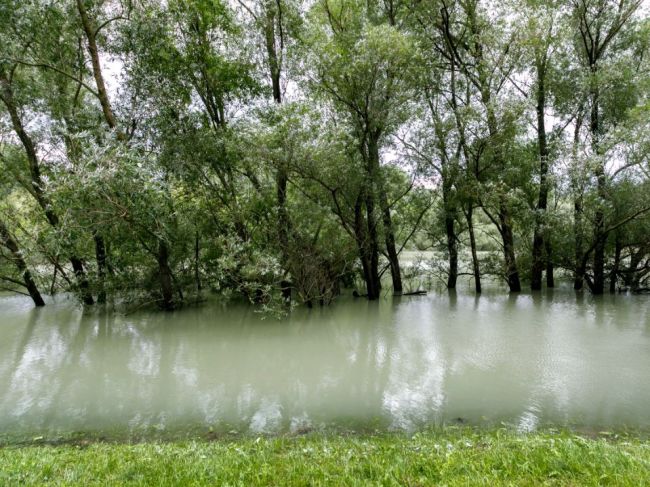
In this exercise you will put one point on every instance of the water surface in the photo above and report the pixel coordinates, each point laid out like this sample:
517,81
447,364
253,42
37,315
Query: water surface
529,361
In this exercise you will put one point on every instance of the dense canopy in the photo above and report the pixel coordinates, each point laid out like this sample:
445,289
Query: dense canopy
286,150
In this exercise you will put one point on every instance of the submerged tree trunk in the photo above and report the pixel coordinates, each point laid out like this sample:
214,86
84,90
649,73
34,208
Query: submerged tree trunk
578,239
165,276
505,225
539,243
368,252
393,259
452,251
80,274
450,230
389,233
100,256
550,278
472,242
600,238
580,269
8,241
636,269
613,275
197,274
632,275
372,246
512,274
600,235
274,40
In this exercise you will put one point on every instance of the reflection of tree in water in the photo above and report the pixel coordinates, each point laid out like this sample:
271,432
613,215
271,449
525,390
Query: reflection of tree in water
71,375
408,362
13,367
21,348
414,393
453,365
41,360
316,369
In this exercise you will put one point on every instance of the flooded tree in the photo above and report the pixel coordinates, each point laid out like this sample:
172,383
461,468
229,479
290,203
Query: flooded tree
291,151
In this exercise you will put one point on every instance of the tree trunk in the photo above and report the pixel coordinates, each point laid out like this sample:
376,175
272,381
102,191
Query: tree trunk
373,247
600,235
540,215
630,275
452,248
617,262
505,226
393,259
472,242
102,94
84,287
636,274
8,241
579,273
284,222
369,262
370,276
271,37
275,64
550,279
538,261
512,274
100,256
452,245
197,274
389,234
165,276
579,263
599,255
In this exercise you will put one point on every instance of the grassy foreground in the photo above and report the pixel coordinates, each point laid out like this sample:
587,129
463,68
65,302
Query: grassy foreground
448,457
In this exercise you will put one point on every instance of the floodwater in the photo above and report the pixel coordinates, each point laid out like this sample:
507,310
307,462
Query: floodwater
529,361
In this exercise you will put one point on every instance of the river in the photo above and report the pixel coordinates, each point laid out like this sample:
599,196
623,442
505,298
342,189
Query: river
552,359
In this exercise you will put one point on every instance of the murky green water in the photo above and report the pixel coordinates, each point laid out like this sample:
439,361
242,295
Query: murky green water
529,361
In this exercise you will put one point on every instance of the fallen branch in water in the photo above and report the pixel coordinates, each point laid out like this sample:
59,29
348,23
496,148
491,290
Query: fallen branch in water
412,293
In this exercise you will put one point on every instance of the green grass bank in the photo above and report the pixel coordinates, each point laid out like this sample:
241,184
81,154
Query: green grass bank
456,456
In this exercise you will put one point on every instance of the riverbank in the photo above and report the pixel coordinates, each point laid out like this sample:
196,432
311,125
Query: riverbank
453,456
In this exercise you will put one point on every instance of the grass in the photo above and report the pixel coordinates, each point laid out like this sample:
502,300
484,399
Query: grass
455,456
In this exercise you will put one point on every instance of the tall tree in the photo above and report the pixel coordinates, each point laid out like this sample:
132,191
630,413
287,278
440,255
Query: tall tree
363,66
599,23
37,186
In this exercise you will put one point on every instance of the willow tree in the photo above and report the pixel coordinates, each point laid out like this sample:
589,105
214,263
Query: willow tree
36,187
541,32
363,67
602,31
439,139
480,43
191,66
273,27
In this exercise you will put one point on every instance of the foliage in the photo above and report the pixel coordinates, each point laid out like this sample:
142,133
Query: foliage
284,150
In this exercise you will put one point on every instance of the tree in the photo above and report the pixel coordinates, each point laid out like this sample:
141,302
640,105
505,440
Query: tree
598,24
362,65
